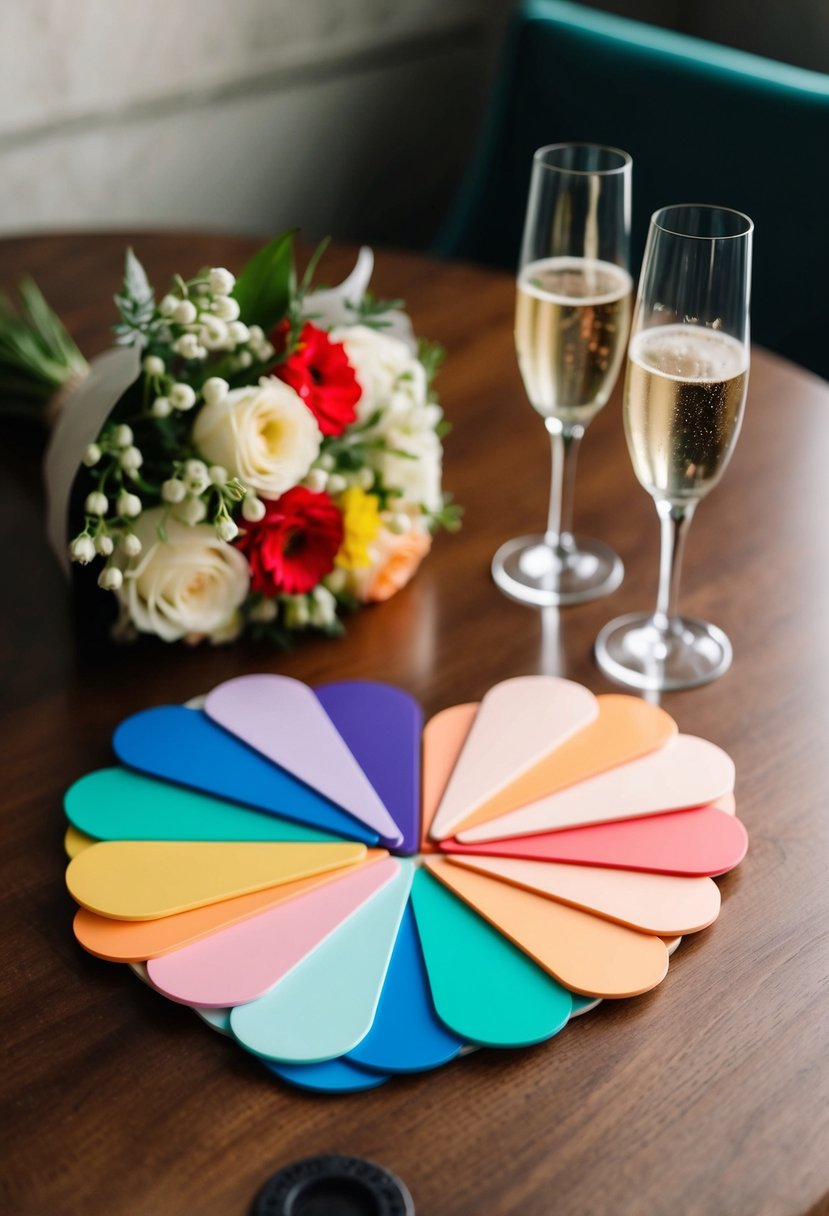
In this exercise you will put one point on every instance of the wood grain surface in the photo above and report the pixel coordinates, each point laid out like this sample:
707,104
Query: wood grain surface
711,1094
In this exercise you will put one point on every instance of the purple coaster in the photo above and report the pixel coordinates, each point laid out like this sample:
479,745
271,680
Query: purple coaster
382,727
282,719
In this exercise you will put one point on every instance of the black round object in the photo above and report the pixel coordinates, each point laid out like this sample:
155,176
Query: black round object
334,1186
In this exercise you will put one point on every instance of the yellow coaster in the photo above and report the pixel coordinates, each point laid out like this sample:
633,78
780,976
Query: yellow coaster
75,841
145,879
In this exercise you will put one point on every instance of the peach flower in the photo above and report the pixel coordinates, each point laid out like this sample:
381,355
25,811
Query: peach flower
394,560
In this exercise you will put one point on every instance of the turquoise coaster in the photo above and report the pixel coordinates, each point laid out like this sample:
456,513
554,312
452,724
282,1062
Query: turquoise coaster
484,988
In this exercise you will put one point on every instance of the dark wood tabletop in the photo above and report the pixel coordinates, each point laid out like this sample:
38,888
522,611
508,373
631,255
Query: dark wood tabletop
709,1095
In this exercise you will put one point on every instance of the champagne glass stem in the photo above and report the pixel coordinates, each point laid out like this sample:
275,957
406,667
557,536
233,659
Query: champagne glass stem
675,521
565,439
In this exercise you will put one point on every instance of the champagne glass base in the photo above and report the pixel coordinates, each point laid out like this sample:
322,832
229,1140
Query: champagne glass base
531,571
637,651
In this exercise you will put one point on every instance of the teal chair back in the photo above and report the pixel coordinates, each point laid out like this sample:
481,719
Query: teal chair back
704,124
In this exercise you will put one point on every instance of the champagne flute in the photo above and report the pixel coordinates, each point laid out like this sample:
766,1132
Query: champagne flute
571,325
684,396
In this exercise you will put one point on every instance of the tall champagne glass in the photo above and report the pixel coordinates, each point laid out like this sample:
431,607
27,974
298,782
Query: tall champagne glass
571,325
684,396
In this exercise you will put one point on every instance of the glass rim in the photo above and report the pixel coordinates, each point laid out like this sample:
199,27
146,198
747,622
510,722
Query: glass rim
626,159
695,236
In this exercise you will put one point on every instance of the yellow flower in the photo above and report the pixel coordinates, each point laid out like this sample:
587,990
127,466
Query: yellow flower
361,519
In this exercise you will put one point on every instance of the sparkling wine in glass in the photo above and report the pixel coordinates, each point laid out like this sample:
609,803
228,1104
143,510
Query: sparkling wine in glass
571,325
685,391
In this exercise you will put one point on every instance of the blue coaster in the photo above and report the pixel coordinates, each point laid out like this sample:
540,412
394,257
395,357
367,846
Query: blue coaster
184,746
406,1035
329,1077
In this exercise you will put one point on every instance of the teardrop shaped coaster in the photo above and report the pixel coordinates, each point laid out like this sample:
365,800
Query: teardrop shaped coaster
326,1005
626,729
145,879
483,988
587,953
126,941
118,804
703,842
184,746
443,740
283,720
519,722
688,772
244,961
381,726
329,1077
652,903
406,1035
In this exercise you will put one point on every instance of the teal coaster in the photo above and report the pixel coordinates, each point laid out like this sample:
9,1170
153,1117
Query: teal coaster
483,987
118,804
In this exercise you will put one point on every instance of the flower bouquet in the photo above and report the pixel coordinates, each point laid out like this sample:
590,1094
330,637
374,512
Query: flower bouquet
252,455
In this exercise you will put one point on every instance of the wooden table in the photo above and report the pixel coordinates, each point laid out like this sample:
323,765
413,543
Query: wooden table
710,1095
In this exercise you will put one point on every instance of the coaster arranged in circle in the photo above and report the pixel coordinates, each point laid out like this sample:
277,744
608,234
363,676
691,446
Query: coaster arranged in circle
351,895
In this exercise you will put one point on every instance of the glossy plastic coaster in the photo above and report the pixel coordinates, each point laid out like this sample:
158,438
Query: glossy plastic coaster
651,903
406,1035
74,841
118,804
382,726
283,720
443,738
125,941
484,988
688,772
329,1077
697,843
145,879
244,961
518,723
326,1006
585,953
626,729
184,746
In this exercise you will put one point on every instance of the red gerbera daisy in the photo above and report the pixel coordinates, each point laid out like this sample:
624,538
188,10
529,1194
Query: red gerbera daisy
320,373
294,545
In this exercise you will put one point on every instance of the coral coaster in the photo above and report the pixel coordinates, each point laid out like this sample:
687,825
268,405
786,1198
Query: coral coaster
350,895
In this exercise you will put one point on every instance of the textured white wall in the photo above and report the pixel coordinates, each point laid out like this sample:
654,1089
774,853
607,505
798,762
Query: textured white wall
353,117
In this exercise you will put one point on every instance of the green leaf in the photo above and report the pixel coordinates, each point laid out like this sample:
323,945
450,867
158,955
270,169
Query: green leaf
136,283
264,288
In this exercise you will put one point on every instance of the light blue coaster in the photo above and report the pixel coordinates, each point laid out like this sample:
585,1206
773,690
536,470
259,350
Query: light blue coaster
326,1005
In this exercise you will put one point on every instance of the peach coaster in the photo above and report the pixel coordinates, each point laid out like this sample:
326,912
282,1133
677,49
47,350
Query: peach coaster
585,953
625,729
519,722
443,737
688,772
651,903
145,879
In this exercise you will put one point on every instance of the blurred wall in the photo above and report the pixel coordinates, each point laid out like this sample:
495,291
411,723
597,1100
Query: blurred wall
353,117
349,117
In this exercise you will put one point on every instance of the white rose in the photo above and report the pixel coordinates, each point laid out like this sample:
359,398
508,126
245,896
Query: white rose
264,435
418,479
191,584
385,368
